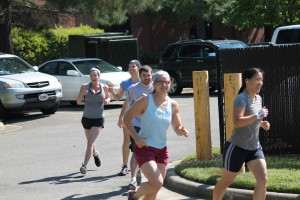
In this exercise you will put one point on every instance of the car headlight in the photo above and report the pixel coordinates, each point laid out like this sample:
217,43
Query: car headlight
14,84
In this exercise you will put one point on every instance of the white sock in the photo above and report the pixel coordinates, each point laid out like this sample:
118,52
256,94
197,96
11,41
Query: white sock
133,179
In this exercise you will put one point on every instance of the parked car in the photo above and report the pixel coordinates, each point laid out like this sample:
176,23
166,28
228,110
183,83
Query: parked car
181,58
73,72
23,88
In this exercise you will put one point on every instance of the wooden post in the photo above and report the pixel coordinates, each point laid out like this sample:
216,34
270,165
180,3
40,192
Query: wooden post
202,115
232,85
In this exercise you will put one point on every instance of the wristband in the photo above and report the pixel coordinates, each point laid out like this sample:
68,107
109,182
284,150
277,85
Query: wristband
261,113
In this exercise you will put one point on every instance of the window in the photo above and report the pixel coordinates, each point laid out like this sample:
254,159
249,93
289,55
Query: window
63,67
49,68
190,51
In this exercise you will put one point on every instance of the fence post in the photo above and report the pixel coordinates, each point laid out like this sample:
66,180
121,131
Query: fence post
202,115
232,85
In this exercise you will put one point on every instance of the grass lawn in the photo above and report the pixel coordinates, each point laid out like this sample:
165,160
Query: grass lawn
283,172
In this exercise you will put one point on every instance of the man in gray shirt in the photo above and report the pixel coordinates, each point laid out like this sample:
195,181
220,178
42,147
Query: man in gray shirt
134,92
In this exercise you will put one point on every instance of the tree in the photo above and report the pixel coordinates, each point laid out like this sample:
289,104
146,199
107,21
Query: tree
106,12
186,12
13,13
257,13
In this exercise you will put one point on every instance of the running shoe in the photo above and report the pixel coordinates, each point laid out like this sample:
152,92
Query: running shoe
97,159
124,170
83,169
130,194
132,185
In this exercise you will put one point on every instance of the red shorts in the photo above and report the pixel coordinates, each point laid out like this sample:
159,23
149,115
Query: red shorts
146,154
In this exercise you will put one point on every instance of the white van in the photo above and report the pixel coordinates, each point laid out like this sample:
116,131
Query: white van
286,35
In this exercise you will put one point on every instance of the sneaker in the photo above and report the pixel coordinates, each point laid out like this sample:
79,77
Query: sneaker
139,177
132,185
83,169
130,194
97,159
124,170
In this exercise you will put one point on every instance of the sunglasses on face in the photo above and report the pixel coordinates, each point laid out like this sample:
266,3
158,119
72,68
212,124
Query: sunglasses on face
163,82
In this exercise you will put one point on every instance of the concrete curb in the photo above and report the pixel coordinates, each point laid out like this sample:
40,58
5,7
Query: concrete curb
190,188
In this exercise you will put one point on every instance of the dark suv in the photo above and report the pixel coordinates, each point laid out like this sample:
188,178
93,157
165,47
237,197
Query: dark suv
180,59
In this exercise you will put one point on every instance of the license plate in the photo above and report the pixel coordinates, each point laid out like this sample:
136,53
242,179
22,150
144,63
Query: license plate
43,97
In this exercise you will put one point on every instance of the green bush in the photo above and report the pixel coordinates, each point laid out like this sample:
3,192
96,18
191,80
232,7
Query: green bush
37,47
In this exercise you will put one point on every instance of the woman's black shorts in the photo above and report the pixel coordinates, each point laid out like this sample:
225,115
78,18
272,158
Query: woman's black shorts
88,123
234,157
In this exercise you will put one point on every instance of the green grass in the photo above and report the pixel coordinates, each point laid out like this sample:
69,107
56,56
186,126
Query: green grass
283,172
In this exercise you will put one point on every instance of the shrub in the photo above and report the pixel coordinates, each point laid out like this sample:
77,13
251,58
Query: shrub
37,47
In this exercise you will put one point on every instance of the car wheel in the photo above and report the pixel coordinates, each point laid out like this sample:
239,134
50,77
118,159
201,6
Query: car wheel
3,112
175,87
51,110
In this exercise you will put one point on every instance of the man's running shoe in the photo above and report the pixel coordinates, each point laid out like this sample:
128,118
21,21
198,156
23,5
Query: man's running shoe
124,170
132,185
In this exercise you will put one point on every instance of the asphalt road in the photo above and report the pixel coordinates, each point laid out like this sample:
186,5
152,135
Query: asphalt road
40,159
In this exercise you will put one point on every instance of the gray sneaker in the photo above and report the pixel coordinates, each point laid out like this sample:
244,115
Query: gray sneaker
83,169
132,185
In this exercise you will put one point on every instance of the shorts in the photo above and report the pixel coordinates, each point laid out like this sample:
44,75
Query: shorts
88,123
132,142
234,157
147,153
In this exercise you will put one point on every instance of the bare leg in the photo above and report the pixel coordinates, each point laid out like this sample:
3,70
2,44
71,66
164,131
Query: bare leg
155,174
91,136
259,169
227,178
125,146
133,166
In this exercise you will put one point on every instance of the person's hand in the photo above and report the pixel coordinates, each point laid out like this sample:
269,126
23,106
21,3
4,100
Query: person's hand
106,101
262,113
183,131
265,125
121,123
110,87
140,142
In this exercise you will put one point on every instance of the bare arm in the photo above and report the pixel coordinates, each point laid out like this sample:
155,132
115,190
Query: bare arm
124,109
117,95
240,120
83,91
107,95
136,109
176,121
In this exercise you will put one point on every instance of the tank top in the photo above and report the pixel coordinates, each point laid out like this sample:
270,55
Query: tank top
155,123
94,103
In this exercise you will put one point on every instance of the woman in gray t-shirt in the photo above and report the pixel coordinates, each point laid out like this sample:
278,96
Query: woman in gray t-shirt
243,146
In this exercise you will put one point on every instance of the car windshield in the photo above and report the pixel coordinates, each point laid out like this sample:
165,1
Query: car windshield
85,66
14,65
232,45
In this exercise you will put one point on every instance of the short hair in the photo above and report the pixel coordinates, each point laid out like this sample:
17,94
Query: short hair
145,68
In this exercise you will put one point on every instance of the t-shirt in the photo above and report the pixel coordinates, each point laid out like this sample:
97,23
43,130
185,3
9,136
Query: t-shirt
127,83
247,137
134,92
